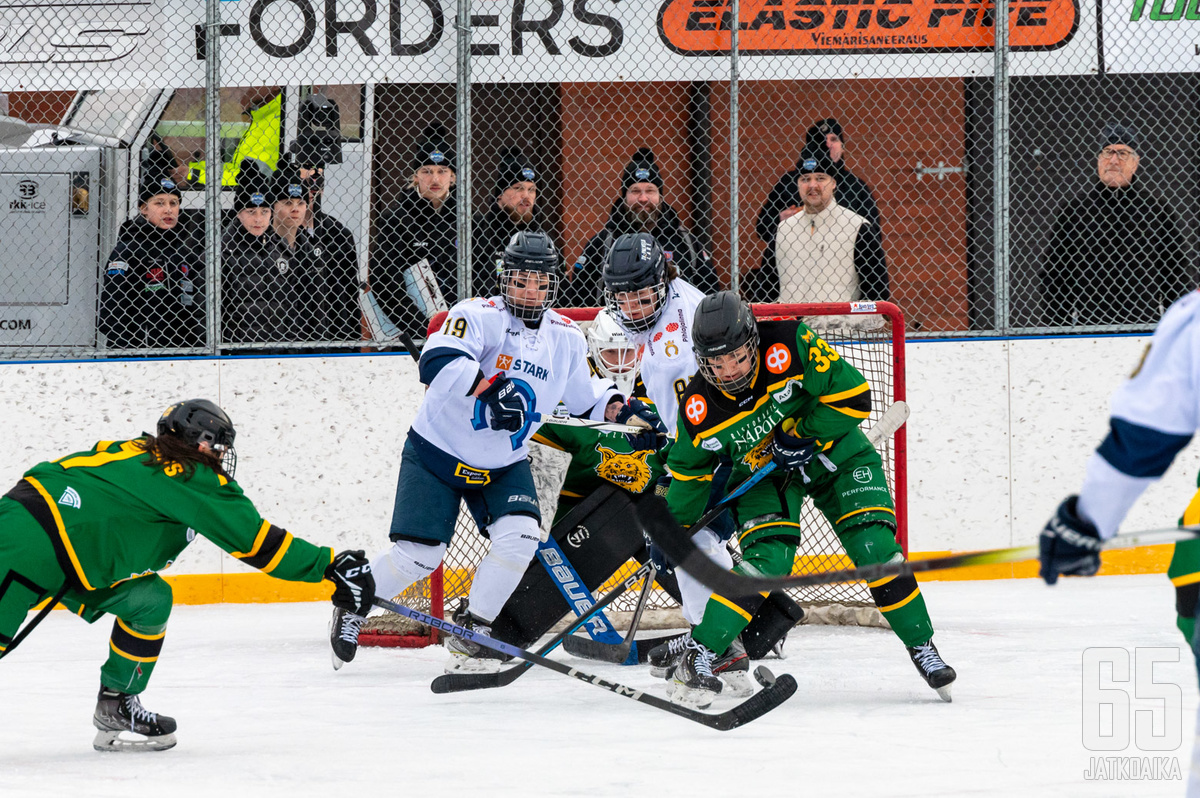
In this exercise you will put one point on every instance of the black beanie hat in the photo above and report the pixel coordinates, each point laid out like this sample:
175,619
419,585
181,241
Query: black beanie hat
287,184
641,169
434,148
514,168
822,128
1116,133
155,182
814,159
253,188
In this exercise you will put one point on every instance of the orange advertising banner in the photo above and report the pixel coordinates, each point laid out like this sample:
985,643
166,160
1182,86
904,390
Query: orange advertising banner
832,27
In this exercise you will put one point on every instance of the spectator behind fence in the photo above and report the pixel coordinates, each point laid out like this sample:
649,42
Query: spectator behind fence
152,292
514,210
641,209
1116,253
422,226
827,253
256,296
852,193
331,285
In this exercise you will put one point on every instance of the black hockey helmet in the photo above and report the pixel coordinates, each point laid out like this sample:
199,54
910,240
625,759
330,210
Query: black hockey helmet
529,252
635,262
197,421
724,325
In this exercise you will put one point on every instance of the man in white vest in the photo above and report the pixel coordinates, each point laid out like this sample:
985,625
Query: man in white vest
828,253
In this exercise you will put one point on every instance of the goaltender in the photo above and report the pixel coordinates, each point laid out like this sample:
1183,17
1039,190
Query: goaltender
774,391
91,529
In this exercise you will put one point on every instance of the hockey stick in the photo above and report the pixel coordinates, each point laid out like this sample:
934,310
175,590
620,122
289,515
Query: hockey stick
569,584
666,533
624,653
775,690
460,682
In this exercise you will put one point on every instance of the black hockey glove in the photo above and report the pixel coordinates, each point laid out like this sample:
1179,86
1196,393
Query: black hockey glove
508,409
638,413
353,584
1068,545
789,452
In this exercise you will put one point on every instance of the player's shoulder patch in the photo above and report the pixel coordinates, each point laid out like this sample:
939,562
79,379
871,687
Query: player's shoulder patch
116,267
556,319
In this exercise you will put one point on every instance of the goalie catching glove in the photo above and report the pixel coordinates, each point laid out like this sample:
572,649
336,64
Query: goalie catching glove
353,584
1068,545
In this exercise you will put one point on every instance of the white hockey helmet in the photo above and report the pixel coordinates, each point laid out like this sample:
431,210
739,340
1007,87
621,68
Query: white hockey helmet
612,353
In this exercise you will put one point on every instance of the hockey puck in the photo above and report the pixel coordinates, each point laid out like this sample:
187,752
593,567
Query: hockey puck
764,676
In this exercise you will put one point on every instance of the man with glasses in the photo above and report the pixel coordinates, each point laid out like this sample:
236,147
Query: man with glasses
1116,254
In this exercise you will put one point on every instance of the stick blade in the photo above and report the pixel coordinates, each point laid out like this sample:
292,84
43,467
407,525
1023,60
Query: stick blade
779,689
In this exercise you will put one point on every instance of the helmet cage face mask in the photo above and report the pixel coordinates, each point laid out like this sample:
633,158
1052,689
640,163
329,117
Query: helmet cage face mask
522,310
747,352
605,337
613,301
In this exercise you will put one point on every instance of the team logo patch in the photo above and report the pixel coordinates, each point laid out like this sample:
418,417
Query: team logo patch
295,190
711,445
70,498
671,349
575,539
641,174
695,409
672,327
862,474
657,337
436,157
778,359
504,362
630,471
760,455
810,164
527,173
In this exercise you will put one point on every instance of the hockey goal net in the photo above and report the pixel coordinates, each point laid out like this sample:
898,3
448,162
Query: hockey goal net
870,335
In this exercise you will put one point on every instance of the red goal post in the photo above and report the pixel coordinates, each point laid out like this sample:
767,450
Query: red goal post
870,335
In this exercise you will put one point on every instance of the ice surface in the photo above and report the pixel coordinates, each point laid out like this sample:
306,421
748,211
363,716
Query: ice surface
262,713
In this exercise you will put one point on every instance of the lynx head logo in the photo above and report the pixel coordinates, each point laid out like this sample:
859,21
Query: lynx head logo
760,455
630,471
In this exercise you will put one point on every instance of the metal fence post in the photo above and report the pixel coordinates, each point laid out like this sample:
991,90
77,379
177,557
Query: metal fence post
1000,166
734,13
463,136
214,173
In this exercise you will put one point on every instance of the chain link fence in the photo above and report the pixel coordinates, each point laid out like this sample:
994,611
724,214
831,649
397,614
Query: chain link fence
374,159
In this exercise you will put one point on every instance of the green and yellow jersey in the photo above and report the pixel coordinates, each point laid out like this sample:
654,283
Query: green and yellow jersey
798,376
113,514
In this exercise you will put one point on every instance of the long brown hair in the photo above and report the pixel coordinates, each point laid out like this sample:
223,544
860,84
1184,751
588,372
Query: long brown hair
168,449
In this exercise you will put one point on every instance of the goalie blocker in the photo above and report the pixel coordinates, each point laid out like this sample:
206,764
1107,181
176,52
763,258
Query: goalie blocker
599,538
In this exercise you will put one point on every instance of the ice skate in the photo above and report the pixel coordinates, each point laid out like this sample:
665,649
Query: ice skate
343,636
125,725
733,668
936,673
692,682
467,655
664,657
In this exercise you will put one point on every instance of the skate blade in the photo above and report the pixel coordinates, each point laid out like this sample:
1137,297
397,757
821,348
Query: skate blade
688,697
336,660
944,692
113,741
463,664
737,684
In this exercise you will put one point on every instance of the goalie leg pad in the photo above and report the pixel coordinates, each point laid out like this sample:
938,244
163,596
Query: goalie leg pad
598,539
514,541
771,624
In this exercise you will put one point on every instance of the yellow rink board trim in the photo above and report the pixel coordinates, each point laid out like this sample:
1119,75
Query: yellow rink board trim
256,588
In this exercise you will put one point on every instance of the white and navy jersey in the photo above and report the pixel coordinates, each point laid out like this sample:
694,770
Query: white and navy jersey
548,364
1153,417
668,362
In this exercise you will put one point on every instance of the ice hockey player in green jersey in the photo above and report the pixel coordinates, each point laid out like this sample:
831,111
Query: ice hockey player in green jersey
775,391
92,529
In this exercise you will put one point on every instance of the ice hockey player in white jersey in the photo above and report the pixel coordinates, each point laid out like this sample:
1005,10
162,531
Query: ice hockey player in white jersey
492,364
643,292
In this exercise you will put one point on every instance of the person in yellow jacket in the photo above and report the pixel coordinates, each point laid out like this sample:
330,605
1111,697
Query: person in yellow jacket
263,140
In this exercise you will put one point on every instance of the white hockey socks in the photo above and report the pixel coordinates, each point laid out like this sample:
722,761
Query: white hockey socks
695,594
514,543
405,563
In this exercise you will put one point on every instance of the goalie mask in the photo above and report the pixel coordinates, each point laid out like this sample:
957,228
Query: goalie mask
635,281
613,354
529,276
725,341
198,421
